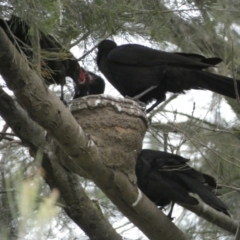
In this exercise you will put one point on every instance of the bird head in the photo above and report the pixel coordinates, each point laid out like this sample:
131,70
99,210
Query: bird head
104,47
89,84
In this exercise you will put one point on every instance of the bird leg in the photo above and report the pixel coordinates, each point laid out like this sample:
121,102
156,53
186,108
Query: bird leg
142,104
144,92
171,210
162,208
153,106
62,96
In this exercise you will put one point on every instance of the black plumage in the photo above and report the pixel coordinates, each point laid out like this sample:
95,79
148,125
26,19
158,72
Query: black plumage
56,63
90,84
148,74
166,178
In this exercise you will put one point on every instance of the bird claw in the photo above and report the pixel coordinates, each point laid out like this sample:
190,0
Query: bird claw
63,101
169,214
170,217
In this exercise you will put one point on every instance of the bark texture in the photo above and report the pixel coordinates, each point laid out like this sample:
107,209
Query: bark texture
213,216
44,108
78,206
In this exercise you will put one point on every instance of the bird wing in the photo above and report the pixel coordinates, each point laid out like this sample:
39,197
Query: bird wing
169,164
137,55
199,58
204,193
159,187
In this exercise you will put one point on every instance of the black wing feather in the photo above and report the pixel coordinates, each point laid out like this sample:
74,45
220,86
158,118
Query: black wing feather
137,55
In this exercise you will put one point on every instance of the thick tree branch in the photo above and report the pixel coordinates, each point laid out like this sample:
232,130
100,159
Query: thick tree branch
213,216
17,118
79,207
50,113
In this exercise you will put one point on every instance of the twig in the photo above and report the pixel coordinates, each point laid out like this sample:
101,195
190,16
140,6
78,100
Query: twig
88,52
234,77
94,47
79,40
9,143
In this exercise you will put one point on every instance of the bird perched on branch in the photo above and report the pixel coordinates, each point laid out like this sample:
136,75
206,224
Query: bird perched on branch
147,74
167,178
57,63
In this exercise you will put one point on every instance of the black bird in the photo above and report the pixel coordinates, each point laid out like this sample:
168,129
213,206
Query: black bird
166,178
90,84
56,63
147,74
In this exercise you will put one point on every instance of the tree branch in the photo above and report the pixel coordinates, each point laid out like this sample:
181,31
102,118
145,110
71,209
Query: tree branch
213,216
44,108
79,207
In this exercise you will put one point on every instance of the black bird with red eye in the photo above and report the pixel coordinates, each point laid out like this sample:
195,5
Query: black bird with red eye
57,63
89,84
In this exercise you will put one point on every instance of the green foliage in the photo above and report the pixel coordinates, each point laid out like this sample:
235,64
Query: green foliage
208,27
27,210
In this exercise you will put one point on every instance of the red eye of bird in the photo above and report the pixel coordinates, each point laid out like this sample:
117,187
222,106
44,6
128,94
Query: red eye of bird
82,76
